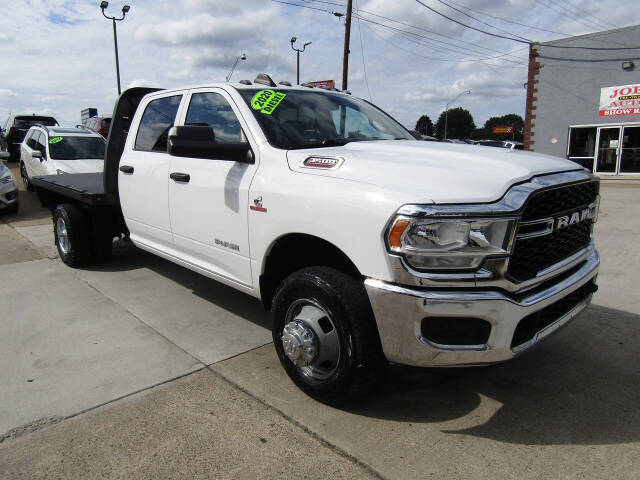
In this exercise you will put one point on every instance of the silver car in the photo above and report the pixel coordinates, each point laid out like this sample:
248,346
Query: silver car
8,190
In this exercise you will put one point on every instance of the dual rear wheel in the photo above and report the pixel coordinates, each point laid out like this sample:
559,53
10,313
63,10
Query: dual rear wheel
78,241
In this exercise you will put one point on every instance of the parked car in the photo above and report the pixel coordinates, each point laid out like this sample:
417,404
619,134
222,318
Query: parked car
9,201
17,127
513,145
57,150
366,245
99,125
509,144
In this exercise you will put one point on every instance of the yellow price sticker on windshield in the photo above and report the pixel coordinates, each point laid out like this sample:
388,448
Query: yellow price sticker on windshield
55,140
266,101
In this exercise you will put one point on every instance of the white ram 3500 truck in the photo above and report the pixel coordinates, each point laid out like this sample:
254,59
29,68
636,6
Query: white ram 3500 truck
367,246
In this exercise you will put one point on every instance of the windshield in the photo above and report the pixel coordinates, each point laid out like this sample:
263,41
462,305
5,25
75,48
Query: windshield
298,119
26,122
74,148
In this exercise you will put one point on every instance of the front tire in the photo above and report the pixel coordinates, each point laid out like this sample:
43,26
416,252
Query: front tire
25,178
71,234
325,335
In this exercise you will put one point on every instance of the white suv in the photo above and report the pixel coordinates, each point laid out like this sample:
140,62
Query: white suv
55,150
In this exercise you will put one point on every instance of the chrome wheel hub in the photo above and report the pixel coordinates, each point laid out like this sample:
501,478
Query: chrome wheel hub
63,236
299,343
310,339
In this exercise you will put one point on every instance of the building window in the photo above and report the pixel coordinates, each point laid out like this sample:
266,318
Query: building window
582,145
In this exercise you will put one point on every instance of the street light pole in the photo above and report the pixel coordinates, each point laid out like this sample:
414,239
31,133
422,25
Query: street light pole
125,10
298,50
241,57
446,110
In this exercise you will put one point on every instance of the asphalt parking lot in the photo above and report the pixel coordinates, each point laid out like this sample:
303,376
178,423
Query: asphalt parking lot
140,368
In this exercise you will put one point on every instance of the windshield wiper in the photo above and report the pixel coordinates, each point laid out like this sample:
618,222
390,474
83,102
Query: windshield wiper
329,142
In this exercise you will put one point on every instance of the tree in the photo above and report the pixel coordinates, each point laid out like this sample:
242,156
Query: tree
459,124
505,121
424,125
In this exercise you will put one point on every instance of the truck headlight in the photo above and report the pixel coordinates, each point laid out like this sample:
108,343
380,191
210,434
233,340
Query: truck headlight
435,243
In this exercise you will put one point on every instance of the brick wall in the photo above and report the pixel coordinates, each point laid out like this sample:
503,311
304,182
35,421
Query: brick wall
530,107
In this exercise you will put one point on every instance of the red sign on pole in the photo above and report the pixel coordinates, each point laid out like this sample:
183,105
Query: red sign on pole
324,83
505,129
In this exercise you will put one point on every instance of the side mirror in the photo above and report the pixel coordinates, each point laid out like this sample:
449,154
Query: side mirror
37,154
199,141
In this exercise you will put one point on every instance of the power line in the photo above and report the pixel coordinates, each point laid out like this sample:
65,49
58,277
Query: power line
464,52
509,21
560,10
448,46
439,59
579,10
518,40
606,49
303,6
481,21
473,47
469,26
364,68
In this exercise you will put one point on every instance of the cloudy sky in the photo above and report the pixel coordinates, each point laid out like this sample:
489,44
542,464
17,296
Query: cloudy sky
57,55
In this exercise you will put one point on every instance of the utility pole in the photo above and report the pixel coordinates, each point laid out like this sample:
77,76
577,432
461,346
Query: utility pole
347,37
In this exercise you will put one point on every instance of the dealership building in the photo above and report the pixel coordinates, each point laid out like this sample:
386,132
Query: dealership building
583,100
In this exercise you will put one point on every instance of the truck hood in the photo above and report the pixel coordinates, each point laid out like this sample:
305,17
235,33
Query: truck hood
88,165
431,171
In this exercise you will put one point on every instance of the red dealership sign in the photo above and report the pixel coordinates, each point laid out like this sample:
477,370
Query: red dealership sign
324,83
505,129
620,100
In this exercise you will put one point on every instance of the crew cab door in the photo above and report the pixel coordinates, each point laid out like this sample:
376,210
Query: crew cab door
143,179
208,198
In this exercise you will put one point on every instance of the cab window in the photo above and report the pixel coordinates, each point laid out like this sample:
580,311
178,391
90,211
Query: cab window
213,109
156,121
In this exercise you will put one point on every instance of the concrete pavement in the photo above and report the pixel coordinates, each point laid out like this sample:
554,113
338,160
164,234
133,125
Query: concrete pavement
198,427
568,409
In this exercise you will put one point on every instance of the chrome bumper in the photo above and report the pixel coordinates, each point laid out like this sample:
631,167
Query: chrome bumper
399,312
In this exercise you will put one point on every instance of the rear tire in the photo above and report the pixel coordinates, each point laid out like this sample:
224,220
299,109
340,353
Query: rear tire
71,234
324,310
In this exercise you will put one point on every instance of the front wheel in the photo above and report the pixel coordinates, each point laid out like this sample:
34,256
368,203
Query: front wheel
325,335
25,178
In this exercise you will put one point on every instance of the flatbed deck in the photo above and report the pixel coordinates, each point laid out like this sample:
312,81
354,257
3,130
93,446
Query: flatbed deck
87,188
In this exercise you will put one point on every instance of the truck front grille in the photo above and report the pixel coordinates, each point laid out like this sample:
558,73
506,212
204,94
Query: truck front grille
533,254
548,203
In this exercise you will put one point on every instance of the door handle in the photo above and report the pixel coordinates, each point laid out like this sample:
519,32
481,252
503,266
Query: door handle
126,169
180,177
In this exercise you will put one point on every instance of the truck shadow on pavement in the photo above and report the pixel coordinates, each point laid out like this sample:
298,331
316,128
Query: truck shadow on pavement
126,257
581,387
